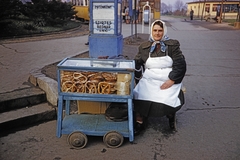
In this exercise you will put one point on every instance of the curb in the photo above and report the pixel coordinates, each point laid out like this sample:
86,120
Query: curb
49,85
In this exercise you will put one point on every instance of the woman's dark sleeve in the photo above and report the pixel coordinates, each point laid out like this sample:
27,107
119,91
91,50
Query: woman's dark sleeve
139,66
179,64
178,71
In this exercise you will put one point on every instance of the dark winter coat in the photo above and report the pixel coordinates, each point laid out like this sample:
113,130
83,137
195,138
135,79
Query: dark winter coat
173,49
148,108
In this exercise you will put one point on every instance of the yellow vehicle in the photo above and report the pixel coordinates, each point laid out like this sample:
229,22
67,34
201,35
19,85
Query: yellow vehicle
82,13
82,8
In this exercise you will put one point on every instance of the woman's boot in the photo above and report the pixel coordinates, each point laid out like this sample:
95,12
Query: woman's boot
172,121
140,124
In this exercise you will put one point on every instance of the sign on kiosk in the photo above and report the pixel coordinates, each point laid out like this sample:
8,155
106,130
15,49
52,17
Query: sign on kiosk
103,18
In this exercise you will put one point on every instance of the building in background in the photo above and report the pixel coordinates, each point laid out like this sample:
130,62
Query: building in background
230,8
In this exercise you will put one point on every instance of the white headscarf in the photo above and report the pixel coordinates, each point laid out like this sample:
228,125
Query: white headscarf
164,37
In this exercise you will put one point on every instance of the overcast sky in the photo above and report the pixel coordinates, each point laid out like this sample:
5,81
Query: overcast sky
173,1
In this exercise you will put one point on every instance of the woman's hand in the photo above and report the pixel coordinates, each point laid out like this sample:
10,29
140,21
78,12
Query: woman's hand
167,84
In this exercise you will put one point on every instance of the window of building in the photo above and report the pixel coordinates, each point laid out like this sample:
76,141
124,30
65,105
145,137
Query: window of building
230,8
214,8
207,7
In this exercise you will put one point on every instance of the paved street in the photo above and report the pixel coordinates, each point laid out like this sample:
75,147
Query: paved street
208,124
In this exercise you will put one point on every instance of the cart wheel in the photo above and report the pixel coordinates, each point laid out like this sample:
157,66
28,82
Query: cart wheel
113,139
77,140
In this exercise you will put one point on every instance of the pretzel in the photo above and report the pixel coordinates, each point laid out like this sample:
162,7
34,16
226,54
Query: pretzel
67,86
97,77
73,88
78,77
80,87
66,76
69,73
112,87
103,88
91,75
109,76
96,81
88,82
88,73
106,88
91,87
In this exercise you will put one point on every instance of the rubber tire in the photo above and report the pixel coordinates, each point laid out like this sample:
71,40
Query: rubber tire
77,140
113,139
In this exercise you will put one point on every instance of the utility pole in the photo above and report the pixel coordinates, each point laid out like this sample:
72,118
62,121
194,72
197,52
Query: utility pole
160,6
238,16
237,23
198,8
203,9
135,6
220,20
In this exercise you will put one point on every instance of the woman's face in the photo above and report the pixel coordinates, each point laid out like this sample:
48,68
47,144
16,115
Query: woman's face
157,32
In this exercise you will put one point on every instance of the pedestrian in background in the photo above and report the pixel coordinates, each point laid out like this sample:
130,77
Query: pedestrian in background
127,15
124,15
191,14
137,15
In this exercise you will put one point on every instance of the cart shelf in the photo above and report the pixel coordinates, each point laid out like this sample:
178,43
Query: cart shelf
95,125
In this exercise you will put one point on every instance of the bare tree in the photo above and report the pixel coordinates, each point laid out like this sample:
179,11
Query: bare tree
179,5
170,8
164,8
180,8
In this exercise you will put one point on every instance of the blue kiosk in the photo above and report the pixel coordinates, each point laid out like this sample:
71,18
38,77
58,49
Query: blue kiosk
105,37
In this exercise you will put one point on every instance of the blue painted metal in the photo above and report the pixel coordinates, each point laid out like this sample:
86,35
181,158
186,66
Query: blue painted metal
59,116
109,42
130,8
95,125
105,45
67,105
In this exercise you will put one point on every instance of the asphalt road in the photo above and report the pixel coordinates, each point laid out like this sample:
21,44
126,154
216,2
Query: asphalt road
208,124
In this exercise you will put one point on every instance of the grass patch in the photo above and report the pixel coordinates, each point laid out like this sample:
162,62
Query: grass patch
230,21
19,27
184,17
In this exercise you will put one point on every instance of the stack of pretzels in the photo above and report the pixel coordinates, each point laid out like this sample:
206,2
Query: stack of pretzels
88,82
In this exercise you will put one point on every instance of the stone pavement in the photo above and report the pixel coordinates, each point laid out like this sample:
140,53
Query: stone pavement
208,124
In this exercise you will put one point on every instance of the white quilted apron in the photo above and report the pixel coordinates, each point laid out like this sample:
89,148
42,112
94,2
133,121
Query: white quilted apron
156,73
